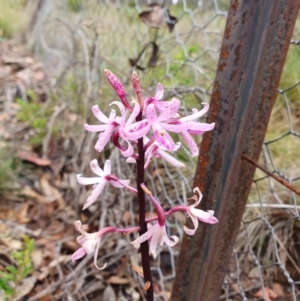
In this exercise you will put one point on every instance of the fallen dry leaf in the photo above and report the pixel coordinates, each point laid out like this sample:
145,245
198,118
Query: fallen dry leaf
33,158
117,280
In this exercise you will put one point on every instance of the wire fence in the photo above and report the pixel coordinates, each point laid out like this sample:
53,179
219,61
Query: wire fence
182,54
265,261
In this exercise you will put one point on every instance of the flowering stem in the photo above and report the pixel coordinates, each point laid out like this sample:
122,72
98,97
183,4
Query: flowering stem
142,215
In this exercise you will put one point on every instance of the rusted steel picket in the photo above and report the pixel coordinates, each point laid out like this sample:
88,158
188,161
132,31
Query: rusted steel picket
254,48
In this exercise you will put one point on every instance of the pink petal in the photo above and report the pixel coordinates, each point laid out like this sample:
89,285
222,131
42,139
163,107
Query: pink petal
146,236
170,110
107,167
151,114
95,193
120,183
199,195
203,216
155,239
164,139
95,128
170,159
129,151
141,131
104,138
175,128
98,114
121,119
200,127
159,92
90,245
191,231
95,257
96,169
196,114
169,242
191,144
133,115
78,254
87,181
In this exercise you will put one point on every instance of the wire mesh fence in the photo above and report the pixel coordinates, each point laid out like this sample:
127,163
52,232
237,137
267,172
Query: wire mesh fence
76,41
265,261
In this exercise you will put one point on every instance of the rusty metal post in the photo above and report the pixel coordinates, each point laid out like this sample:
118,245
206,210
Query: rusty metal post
253,52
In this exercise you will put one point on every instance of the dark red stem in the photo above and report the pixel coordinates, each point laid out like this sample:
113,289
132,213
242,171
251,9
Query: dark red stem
142,215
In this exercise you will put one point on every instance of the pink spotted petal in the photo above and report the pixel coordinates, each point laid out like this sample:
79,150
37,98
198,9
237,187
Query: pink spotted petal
176,128
170,110
139,132
78,254
96,168
99,115
95,128
198,126
159,92
104,138
191,144
164,139
151,114
189,231
196,114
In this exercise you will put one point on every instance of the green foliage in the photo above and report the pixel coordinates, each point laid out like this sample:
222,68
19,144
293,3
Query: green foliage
7,170
75,5
11,278
12,17
36,116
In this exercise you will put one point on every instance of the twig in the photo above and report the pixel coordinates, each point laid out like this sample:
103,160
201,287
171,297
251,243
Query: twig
275,177
275,206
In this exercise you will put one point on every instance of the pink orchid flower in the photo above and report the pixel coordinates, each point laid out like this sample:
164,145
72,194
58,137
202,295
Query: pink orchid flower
107,128
158,122
197,215
187,126
157,233
130,130
194,213
155,150
104,176
90,242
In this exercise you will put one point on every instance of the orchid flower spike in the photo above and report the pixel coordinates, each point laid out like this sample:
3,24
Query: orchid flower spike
90,242
104,176
198,214
157,233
